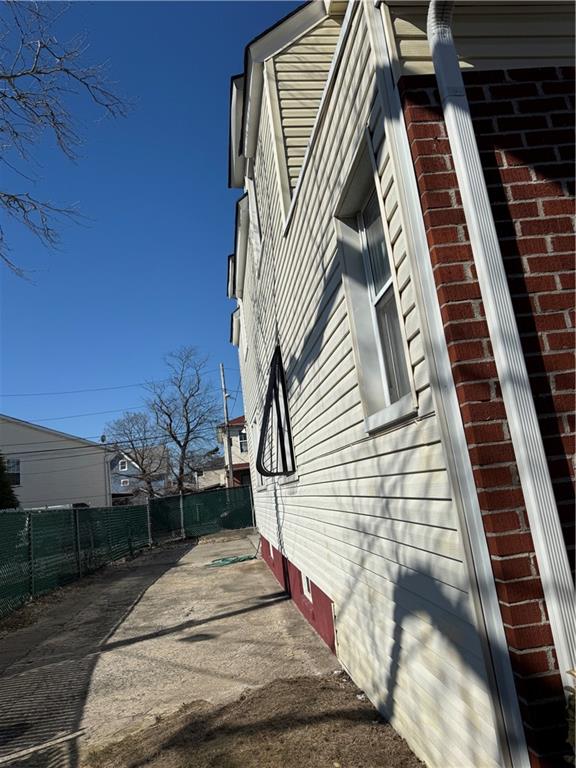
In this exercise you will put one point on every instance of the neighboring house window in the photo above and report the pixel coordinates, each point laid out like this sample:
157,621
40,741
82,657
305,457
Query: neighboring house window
13,471
243,438
383,301
122,465
124,482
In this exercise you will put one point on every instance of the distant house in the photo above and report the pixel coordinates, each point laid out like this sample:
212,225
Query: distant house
211,474
238,449
404,273
48,468
126,480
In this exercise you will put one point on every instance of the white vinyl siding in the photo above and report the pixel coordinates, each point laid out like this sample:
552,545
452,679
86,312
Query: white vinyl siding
55,468
370,519
300,72
494,36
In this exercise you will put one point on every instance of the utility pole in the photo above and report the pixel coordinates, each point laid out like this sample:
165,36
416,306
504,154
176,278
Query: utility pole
227,446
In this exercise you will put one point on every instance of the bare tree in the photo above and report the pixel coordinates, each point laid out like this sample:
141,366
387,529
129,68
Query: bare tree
38,75
185,409
135,436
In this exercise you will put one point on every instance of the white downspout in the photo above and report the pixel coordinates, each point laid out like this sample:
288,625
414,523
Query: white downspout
537,488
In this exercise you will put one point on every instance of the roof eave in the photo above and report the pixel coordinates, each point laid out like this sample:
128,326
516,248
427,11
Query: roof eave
264,46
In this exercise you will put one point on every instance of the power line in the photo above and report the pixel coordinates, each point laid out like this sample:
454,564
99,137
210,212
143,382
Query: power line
99,389
93,449
77,391
131,409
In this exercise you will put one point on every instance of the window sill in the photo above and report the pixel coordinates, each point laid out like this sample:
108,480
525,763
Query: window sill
281,480
402,410
293,478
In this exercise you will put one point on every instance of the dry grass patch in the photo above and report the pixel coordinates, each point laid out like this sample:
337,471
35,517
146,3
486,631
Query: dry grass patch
293,723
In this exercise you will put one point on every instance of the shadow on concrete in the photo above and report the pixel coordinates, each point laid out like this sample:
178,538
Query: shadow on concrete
42,690
191,623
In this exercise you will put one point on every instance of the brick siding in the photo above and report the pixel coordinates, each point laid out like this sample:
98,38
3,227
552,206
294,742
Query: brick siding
523,121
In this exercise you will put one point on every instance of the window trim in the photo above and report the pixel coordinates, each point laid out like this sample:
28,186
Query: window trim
122,462
306,587
12,472
363,180
124,482
243,434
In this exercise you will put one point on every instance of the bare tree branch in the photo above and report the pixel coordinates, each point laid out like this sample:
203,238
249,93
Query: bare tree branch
38,76
134,436
184,408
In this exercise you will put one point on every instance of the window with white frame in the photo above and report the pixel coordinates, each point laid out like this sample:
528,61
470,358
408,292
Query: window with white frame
306,587
122,465
124,482
372,297
13,471
243,440
383,301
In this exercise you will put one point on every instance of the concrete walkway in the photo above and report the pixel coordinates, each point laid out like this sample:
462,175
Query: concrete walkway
136,641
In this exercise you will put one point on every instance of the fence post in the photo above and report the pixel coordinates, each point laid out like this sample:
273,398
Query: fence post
252,507
77,537
31,546
182,529
149,521
108,534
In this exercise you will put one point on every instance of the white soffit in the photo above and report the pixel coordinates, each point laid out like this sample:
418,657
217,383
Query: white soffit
231,275
237,160
235,328
242,226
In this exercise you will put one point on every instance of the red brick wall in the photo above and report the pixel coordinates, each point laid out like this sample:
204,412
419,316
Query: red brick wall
523,122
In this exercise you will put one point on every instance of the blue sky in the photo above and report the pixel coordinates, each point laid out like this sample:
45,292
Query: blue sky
146,272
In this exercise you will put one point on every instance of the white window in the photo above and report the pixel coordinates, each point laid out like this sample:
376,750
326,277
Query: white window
306,586
380,347
13,471
124,482
243,439
122,465
385,313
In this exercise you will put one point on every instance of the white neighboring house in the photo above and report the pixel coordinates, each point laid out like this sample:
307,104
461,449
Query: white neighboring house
212,474
50,468
238,449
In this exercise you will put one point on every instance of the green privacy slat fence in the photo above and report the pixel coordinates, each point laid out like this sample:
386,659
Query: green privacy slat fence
41,550
14,560
212,511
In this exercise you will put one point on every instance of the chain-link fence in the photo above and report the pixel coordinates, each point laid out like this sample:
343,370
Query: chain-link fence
44,549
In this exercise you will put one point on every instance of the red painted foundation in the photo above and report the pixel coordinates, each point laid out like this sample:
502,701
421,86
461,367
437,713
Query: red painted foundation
317,611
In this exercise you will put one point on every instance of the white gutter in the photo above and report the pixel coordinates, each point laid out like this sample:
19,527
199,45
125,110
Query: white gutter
533,470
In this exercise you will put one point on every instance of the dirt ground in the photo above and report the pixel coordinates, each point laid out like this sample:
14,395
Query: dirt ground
295,723
167,662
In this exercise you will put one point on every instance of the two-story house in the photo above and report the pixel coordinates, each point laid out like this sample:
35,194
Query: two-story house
129,482
404,274
238,450
48,468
